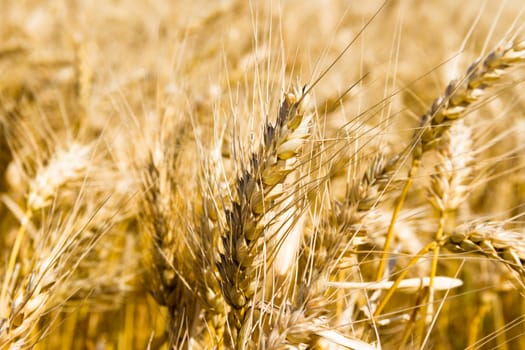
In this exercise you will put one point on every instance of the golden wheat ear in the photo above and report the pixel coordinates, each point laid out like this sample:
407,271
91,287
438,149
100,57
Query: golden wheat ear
170,257
257,194
459,97
491,240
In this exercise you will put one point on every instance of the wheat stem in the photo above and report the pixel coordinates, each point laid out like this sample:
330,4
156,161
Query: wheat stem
12,261
402,275
499,325
427,309
390,233
474,327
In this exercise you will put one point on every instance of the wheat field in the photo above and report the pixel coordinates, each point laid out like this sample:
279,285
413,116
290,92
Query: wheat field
268,174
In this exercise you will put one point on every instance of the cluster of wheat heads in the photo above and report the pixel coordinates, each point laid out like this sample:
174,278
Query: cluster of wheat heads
262,174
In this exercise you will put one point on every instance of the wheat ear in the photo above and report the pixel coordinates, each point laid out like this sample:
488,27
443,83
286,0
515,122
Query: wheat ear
257,188
460,95
64,167
171,259
491,240
49,282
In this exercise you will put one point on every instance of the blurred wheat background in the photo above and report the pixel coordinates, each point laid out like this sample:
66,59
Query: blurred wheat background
262,174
